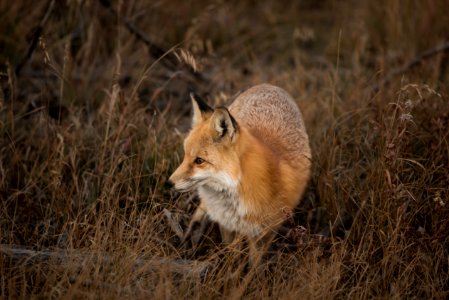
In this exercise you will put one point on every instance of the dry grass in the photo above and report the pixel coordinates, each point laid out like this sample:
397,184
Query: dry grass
92,125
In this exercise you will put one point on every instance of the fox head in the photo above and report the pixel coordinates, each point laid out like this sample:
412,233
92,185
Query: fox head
210,150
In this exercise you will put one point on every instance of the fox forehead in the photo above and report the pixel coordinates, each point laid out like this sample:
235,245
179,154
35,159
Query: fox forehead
194,146
198,141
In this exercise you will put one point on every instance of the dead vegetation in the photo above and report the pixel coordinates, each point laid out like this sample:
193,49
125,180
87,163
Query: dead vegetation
94,104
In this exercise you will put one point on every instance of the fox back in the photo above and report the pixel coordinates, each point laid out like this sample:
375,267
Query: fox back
272,115
250,164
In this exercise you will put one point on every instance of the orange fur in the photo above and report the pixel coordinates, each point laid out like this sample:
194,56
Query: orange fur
250,164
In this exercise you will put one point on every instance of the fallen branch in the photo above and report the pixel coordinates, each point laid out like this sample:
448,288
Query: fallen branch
192,268
409,65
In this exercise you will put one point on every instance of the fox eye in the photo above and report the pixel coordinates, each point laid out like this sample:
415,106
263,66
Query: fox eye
198,161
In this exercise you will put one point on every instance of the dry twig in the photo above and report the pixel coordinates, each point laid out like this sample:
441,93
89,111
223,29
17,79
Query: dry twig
410,64
155,51
37,32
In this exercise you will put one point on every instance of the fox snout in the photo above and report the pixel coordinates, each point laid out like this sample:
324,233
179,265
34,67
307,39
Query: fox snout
175,184
179,180
172,181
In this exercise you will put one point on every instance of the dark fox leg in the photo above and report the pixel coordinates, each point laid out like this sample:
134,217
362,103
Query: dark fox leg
259,246
197,218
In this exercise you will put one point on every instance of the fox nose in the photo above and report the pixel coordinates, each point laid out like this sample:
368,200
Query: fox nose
169,184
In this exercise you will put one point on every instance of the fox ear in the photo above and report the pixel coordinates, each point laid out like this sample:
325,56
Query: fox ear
224,124
200,109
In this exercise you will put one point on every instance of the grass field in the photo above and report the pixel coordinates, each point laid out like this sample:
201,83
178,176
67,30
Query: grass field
94,107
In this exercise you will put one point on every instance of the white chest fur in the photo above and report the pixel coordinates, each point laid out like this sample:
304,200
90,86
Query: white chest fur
228,210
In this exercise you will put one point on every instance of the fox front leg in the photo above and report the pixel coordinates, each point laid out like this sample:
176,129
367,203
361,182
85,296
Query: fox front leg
227,237
199,217
258,247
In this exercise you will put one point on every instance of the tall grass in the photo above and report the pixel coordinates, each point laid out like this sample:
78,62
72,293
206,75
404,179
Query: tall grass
92,126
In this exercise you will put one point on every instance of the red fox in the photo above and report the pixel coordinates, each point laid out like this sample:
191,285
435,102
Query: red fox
250,163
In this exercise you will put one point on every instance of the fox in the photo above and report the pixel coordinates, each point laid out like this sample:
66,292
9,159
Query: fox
250,164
